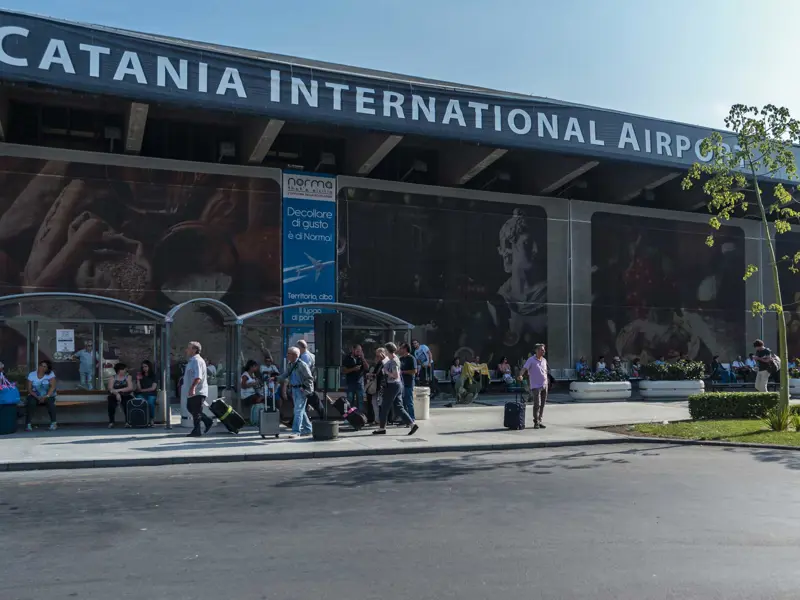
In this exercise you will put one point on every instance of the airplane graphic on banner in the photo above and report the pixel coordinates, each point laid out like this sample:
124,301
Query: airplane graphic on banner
302,271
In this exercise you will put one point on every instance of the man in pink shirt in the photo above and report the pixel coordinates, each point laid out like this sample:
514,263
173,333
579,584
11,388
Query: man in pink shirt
537,370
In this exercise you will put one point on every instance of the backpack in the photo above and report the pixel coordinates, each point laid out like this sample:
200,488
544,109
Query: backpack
775,364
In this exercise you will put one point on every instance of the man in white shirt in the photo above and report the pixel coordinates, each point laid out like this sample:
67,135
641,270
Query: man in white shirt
195,381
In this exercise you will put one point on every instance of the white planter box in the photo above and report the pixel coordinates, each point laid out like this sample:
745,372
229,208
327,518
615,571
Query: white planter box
601,390
794,387
670,389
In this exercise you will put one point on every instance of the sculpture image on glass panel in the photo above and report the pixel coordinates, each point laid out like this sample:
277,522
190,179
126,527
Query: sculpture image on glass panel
471,274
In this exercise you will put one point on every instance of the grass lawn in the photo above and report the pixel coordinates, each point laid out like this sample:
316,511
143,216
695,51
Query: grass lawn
750,430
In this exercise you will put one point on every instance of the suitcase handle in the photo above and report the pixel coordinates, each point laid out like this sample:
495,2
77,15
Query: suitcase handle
270,404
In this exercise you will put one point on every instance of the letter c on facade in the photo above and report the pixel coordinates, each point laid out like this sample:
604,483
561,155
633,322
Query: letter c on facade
4,56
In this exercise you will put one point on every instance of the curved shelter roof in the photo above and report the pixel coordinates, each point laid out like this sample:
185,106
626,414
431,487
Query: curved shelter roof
75,306
223,309
372,315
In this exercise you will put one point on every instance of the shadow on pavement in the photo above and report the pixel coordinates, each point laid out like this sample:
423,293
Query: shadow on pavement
487,430
112,439
406,470
786,458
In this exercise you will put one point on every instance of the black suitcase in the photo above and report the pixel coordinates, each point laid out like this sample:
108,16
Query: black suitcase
137,413
232,420
314,401
356,418
342,406
514,416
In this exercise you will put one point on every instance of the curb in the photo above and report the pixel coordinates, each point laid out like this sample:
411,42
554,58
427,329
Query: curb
630,439
105,463
149,461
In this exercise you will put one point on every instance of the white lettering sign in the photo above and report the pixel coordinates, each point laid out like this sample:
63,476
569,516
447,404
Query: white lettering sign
78,55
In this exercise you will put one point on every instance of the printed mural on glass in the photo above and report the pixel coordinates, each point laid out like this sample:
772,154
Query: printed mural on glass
148,236
659,291
471,274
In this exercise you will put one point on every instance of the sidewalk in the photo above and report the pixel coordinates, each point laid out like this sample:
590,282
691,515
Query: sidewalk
460,429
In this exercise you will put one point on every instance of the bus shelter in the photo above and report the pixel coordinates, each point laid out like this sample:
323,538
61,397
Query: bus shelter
59,325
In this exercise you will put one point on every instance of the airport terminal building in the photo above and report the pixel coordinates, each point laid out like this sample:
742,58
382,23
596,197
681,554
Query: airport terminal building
152,170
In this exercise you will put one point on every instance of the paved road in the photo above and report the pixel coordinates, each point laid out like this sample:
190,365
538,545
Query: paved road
639,523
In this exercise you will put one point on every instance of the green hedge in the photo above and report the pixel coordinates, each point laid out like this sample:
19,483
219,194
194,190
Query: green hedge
682,370
587,375
731,405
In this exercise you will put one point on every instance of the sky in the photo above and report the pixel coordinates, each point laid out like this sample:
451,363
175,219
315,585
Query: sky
681,60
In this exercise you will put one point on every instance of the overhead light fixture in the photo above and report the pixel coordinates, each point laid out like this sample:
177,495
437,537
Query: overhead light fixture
326,159
417,166
503,176
226,150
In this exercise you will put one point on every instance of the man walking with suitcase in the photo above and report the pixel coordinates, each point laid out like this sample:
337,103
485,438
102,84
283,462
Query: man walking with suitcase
300,383
195,380
537,370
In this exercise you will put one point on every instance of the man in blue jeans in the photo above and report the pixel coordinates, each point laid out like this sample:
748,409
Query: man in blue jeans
300,384
408,369
354,368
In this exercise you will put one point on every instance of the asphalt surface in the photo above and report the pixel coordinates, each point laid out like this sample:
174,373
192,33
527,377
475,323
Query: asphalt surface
639,523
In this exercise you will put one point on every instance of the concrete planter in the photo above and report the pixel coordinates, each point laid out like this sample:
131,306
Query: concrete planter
794,387
670,389
600,390
325,430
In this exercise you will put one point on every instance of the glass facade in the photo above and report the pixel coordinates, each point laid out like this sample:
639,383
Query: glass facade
490,275
481,274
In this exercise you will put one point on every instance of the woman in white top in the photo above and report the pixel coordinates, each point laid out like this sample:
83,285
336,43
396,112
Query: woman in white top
251,388
455,370
41,390
393,393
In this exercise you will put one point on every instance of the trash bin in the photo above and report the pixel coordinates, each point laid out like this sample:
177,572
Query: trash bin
422,403
8,419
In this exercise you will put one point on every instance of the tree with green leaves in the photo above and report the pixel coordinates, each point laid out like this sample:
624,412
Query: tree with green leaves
762,150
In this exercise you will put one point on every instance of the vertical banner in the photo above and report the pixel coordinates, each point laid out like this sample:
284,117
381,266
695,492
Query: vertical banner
309,244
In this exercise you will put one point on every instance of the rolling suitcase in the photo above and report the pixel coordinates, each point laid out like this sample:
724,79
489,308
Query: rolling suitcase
514,416
356,418
232,420
342,406
314,401
270,418
137,413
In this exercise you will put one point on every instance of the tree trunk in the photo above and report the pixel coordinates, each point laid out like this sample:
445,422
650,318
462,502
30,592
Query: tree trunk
783,352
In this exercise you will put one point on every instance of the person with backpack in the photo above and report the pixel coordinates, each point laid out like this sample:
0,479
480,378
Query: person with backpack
768,364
